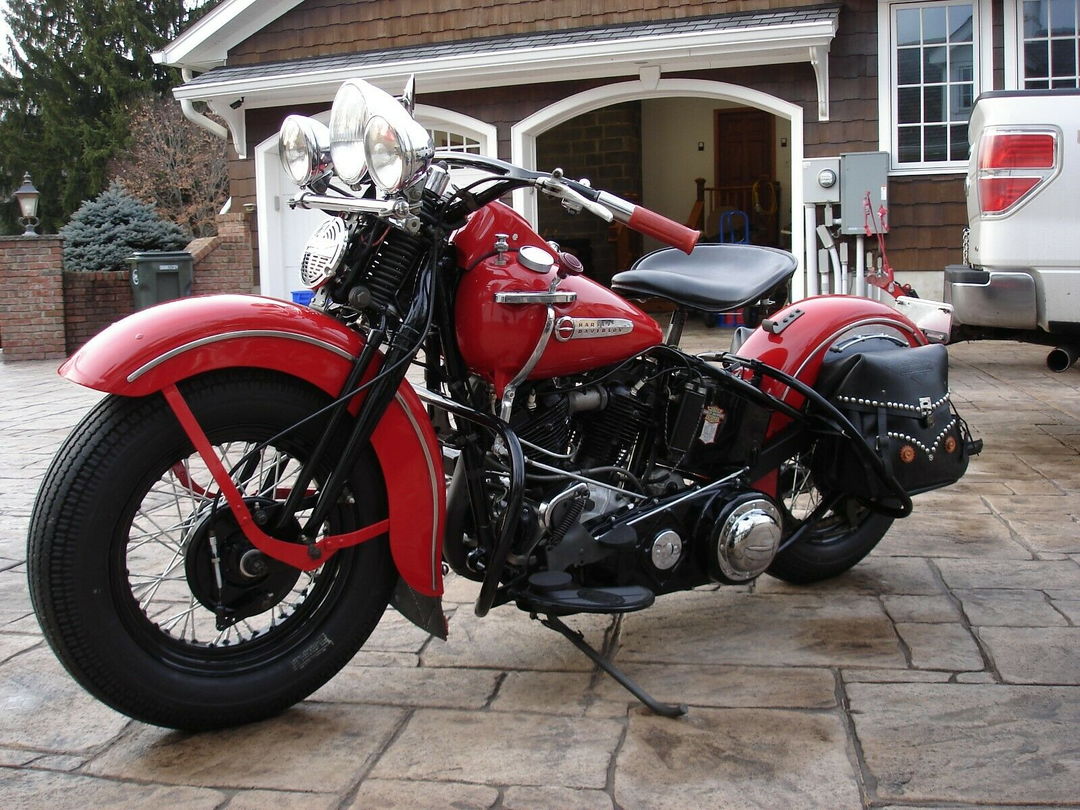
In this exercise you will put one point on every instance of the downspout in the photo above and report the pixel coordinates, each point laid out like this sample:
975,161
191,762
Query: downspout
197,118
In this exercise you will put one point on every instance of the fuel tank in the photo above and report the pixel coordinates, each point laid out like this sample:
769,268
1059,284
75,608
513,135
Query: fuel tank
497,339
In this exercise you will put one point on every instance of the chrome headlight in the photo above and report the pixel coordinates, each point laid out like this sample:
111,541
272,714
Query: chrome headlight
347,118
304,149
370,130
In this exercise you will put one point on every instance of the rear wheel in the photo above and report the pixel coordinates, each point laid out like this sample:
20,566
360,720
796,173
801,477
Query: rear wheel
838,540
149,592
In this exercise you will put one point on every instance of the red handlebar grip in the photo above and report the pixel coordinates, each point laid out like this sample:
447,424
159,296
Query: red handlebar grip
666,230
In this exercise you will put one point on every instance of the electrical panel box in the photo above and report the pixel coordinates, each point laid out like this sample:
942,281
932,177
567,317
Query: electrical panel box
862,173
821,181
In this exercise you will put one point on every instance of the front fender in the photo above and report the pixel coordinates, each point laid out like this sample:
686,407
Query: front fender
158,347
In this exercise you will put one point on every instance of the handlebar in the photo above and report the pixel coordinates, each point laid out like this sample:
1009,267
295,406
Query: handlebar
637,217
507,176
666,230
650,223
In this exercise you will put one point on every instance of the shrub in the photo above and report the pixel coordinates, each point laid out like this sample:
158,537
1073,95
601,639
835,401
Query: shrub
112,226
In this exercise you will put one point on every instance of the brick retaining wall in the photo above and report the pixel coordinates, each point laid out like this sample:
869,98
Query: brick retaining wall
223,262
93,301
31,298
46,314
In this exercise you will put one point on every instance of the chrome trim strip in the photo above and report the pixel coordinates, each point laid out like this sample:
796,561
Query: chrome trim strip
900,327
577,477
352,205
436,481
535,297
697,493
243,333
530,364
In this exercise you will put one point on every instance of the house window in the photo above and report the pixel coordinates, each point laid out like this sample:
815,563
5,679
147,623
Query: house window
445,140
930,76
1049,43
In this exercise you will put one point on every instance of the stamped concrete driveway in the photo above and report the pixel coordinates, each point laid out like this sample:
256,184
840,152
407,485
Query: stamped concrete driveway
944,671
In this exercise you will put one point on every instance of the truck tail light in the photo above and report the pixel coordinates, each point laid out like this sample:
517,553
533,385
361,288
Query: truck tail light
1012,164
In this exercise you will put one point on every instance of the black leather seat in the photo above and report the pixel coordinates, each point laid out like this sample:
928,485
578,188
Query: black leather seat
714,278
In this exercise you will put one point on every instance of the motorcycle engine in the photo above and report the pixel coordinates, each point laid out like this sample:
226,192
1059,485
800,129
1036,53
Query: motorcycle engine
657,434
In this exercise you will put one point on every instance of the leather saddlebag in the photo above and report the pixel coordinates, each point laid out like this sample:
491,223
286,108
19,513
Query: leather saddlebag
898,400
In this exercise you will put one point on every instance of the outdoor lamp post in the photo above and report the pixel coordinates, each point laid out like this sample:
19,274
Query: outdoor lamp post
28,196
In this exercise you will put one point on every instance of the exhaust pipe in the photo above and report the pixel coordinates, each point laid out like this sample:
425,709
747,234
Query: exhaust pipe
1062,358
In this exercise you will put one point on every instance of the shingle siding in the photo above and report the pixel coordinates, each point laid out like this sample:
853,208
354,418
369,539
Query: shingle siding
324,27
927,213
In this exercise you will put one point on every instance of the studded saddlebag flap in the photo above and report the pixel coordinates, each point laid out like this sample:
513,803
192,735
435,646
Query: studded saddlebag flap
898,399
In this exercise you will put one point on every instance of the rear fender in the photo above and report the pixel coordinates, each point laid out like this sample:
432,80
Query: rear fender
801,333
156,348
795,340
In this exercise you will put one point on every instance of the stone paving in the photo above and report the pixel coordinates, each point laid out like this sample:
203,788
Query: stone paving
944,671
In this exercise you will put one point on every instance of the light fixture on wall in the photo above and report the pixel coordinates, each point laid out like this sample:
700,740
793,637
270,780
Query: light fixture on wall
28,196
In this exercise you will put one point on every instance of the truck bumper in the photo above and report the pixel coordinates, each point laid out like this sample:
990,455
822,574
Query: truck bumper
996,298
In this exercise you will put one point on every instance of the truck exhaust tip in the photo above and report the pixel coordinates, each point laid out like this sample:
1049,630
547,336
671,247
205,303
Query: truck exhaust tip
1062,358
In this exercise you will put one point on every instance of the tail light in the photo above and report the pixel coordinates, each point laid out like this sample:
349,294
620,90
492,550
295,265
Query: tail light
1012,164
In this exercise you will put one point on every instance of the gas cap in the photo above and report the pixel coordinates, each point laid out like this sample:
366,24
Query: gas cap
536,259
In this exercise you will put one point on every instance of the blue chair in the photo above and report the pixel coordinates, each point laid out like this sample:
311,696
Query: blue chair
729,223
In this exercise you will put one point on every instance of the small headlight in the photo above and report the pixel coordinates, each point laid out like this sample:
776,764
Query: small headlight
347,119
371,132
386,157
304,149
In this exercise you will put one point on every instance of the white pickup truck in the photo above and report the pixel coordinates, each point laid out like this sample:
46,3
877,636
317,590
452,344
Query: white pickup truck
1021,277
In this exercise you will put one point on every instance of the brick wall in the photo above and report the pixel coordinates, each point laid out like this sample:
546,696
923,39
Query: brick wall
31,298
46,313
93,301
223,263
605,146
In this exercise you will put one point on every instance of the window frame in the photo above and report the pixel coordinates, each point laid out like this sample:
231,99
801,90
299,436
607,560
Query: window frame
888,137
1013,27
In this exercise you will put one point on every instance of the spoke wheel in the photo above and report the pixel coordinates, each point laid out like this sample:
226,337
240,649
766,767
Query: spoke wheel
838,539
195,587
147,588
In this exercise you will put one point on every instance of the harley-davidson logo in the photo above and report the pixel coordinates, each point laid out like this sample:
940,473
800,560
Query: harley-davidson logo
567,328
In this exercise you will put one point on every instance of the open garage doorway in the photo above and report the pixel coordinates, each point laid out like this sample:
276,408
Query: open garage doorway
717,166
652,141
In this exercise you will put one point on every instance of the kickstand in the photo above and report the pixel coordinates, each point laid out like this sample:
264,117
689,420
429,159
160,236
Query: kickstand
578,640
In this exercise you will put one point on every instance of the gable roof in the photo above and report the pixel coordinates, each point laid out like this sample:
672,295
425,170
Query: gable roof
206,44
727,40
644,49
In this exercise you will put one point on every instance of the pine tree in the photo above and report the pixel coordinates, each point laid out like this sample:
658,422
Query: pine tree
73,70
106,230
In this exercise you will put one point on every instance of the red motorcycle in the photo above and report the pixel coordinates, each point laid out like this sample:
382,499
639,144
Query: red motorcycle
221,534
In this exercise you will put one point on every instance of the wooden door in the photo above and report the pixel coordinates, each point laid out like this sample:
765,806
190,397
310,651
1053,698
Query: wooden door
746,169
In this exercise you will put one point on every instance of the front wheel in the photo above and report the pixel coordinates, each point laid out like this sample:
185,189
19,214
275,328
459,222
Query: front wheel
148,591
835,543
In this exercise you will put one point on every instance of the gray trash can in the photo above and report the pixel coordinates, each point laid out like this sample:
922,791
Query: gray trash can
160,275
